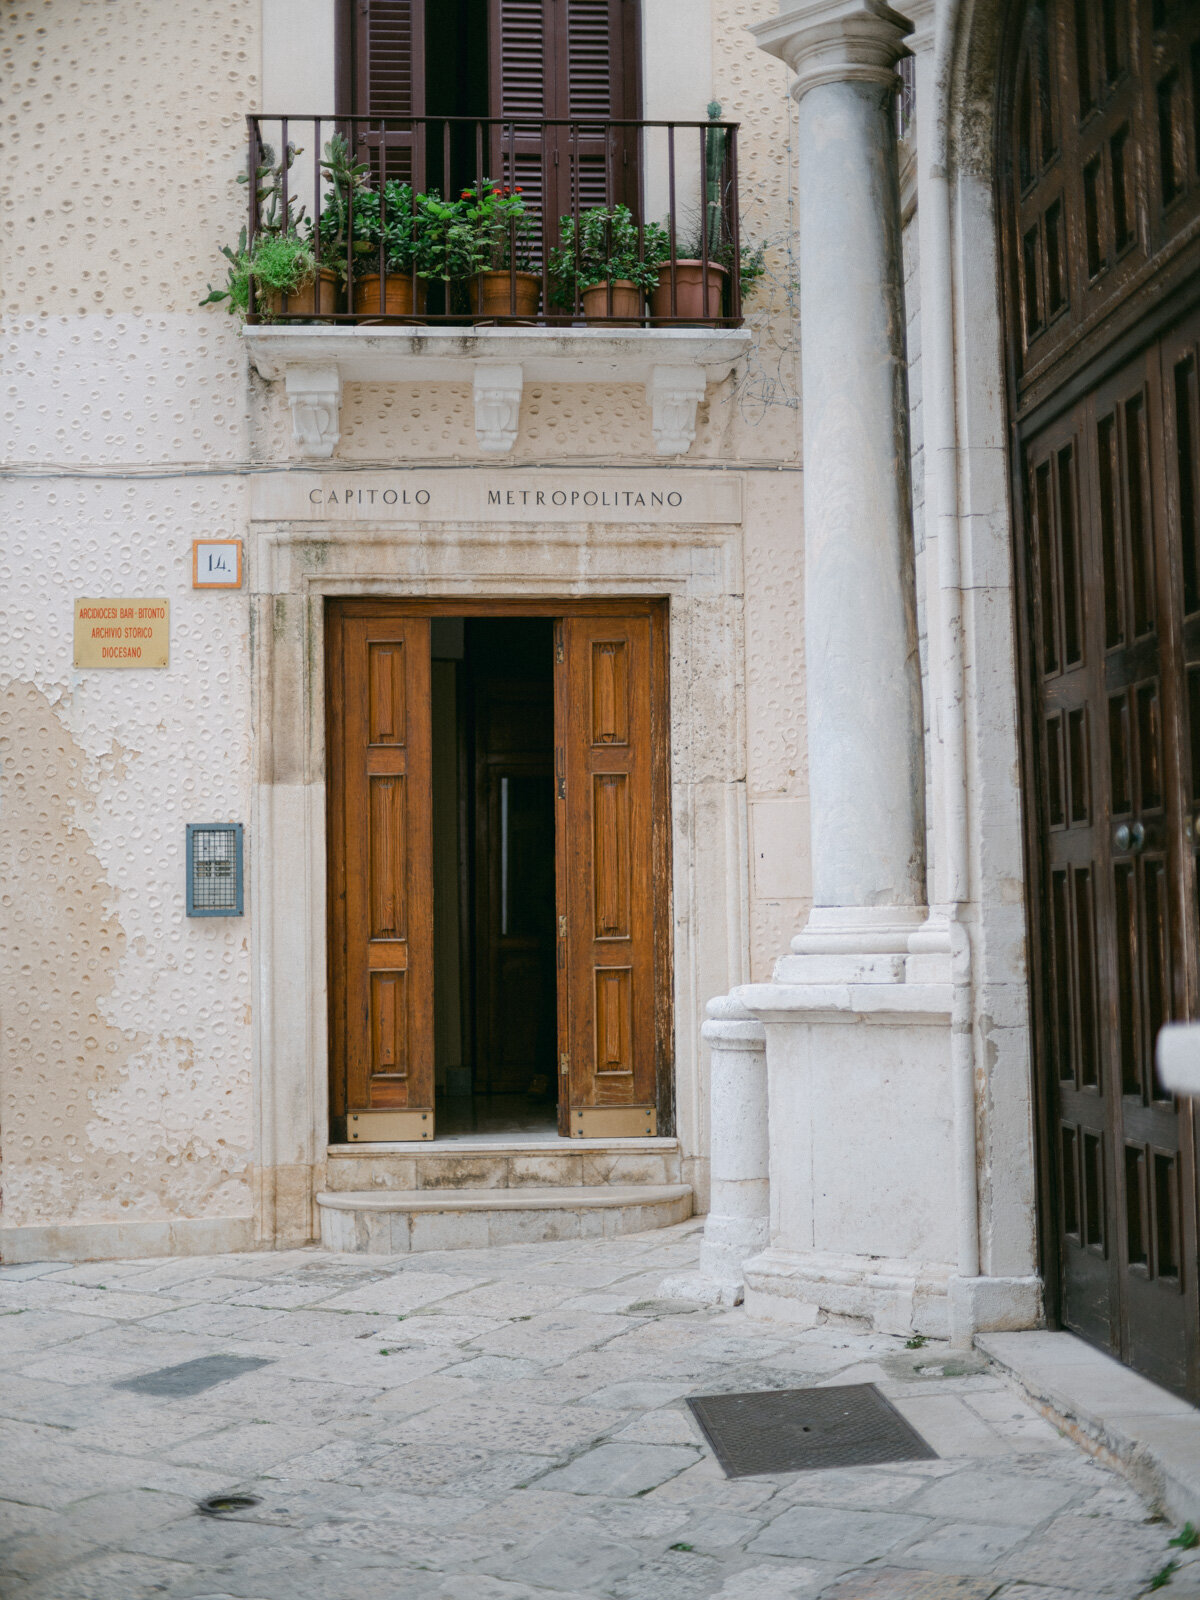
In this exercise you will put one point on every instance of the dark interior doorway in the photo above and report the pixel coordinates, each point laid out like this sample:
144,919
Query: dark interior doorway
493,841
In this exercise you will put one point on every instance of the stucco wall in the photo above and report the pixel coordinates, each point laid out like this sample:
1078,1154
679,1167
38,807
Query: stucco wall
125,1029
127,1070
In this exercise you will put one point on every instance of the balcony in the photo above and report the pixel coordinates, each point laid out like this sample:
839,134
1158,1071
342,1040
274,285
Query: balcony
493,251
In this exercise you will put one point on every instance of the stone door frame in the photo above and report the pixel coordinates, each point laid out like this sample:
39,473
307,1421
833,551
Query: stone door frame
293,567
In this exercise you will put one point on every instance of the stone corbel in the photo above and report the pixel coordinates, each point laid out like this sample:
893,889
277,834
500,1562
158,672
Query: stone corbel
315,396
673,393
497,405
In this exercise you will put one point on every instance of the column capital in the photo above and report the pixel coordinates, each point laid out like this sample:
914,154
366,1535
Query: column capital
836,41
922,15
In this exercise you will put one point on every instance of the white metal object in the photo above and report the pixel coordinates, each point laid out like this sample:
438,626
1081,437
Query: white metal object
1177,1057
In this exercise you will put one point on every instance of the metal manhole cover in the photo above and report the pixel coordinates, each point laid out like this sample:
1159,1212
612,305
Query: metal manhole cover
192,1377
798,1430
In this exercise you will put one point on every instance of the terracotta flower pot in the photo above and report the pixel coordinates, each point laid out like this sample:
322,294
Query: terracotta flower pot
628,302
368,300
689,292
493,294
302,303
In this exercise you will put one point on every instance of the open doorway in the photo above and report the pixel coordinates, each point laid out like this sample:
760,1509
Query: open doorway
495,1021
499,869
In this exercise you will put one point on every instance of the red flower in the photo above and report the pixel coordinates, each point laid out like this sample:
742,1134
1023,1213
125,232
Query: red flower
518,190
498,191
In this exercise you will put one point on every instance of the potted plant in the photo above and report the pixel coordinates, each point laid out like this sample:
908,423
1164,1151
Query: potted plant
374,228
680,288
497,234
608,261
281,260
448,248
691,282
279,265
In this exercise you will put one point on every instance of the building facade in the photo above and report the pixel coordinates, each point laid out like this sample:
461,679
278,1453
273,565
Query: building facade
579,670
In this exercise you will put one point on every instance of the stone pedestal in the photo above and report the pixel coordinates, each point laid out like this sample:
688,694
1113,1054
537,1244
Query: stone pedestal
736,1225
857,1017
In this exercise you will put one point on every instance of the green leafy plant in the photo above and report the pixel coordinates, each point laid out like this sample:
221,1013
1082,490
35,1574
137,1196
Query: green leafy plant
607,245
277,263
280,259
917,1342
280,263
236,292
1163,1576
344,181
371,221
448,247
1186,1539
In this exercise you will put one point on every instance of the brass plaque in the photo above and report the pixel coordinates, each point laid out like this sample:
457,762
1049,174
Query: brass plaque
122,633
614,1122
377,1127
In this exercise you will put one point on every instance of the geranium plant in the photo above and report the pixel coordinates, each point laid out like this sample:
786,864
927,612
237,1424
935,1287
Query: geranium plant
498,229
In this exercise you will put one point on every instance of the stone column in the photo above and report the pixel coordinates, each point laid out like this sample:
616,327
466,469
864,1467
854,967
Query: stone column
866,770
736,1225
857,1016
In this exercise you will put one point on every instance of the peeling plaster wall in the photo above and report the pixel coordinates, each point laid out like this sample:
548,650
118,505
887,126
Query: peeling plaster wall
125,1062
127,1079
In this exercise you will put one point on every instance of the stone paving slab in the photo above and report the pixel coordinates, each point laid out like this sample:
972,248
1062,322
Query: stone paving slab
509,1424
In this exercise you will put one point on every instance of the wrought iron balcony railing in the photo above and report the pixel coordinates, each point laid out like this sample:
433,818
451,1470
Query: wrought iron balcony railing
454,220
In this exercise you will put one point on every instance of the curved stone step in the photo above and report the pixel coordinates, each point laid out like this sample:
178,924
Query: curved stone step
402,1220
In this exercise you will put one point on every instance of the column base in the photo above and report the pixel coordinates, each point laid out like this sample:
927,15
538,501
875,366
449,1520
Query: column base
720,1281
736,1225
862,1154
994,1305
893,1296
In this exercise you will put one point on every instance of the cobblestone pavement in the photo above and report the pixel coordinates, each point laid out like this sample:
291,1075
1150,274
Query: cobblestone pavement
505,1425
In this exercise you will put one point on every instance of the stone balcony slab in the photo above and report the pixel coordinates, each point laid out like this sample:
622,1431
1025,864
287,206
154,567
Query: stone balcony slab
674,364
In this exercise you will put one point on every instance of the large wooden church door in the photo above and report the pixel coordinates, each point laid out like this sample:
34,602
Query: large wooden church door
1101,185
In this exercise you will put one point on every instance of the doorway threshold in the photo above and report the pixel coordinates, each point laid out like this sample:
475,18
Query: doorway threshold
1150,1433
536,1142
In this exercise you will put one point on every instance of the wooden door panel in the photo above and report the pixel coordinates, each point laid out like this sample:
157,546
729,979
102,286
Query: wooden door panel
381,873
605,795
1067,672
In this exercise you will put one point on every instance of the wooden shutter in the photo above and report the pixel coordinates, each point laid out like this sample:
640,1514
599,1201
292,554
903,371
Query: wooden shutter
610,872
389,81
381,873
570,59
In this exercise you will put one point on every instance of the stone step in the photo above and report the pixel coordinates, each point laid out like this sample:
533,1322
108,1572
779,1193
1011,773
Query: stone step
403,1220
464,1163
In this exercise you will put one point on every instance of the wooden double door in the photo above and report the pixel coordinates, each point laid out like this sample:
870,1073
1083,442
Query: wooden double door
1099,190
605,843
1117,665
